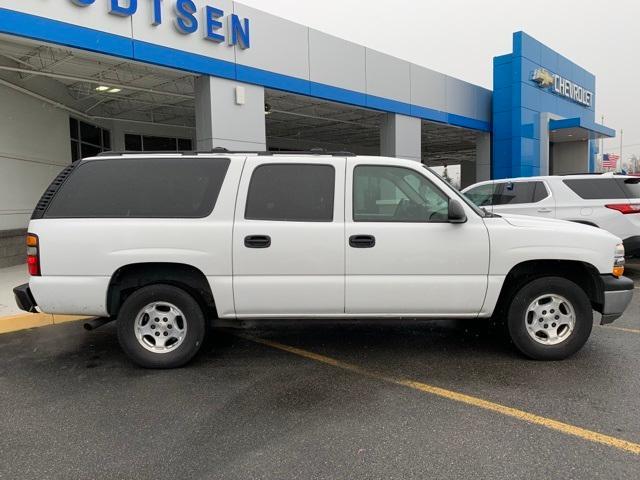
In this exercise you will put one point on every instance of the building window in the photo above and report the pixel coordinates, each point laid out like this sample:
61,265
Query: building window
148,143
87,140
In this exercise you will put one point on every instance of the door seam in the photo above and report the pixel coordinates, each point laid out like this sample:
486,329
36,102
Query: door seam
233,238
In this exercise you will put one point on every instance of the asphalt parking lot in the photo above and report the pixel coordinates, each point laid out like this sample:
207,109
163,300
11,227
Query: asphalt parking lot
322,400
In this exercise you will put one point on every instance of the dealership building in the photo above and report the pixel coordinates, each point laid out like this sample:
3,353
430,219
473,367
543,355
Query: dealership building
79,77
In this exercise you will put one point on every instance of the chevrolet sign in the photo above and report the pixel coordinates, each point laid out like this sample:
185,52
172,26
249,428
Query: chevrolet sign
562,86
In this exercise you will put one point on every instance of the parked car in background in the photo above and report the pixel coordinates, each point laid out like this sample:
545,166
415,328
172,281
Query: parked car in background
608,201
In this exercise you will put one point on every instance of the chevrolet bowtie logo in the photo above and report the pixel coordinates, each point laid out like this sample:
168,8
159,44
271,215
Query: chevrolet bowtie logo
542,77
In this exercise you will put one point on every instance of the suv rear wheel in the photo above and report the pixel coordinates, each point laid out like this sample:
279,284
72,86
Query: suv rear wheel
161,326
550,318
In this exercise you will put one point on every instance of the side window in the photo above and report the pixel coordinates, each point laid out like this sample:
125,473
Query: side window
396,194
140,188
291,192
540,192
596,188
513,193
482,195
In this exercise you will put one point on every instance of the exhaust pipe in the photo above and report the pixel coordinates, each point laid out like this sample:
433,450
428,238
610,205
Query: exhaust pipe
98,322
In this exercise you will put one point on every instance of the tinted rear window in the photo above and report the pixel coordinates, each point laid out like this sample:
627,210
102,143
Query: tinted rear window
605,188
631,186
291,192
141,188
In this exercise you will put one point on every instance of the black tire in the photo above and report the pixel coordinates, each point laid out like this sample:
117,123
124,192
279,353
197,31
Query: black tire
517,318
192,320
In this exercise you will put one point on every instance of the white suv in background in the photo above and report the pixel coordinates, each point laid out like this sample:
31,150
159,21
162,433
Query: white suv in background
608,201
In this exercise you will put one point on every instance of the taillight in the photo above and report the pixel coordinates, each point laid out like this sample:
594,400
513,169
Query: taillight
33,255
625,208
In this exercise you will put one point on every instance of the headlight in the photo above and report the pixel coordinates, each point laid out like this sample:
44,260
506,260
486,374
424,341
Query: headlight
618,261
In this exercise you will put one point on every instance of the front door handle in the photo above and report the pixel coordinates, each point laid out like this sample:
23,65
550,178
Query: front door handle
257,241
362,241
545,210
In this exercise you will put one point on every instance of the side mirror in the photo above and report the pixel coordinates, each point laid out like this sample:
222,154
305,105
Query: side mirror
456,212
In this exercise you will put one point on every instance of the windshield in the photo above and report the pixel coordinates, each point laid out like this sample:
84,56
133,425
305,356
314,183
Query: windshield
473,206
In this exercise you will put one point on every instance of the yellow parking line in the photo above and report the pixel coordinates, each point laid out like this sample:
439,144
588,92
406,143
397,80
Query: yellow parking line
459,397
622,329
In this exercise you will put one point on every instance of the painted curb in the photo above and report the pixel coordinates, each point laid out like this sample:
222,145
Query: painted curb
15,323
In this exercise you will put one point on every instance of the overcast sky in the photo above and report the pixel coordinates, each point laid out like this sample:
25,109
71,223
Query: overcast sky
461,37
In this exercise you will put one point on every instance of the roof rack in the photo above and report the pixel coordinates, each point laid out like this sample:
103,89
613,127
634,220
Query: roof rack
313,151
607,174
116,153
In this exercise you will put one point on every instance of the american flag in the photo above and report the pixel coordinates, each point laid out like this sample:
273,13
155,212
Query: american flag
610,160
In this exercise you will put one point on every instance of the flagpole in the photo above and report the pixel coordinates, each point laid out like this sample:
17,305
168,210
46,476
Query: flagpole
602,146
621,132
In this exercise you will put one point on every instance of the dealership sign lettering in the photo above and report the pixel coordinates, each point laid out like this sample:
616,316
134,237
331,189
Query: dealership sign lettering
187,19
562,86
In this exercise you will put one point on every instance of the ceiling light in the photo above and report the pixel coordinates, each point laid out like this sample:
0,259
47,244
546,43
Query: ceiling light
102,88
115,90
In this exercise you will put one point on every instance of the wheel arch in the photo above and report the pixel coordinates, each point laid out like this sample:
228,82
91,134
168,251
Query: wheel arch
128,278
585,275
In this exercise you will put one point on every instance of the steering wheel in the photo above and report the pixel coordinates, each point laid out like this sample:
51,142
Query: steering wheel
438,215
402,205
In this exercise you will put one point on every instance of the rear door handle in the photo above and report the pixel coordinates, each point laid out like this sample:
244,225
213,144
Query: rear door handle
545,210
362,241
257,241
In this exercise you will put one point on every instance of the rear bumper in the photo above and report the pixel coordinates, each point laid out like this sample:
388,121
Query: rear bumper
617,295
24,298
632,246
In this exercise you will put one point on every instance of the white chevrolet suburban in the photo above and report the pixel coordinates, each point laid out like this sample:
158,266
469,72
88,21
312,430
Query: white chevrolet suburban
163,242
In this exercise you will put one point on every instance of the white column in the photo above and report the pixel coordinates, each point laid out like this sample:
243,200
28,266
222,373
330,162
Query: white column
545,160
401,136
229,114
483,157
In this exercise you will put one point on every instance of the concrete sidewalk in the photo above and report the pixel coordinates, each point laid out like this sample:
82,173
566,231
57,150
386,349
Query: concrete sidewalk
11,277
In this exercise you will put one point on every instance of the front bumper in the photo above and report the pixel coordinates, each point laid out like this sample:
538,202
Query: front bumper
24,298
617,295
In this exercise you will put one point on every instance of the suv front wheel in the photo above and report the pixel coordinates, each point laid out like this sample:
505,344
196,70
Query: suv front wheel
161,326
550,318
